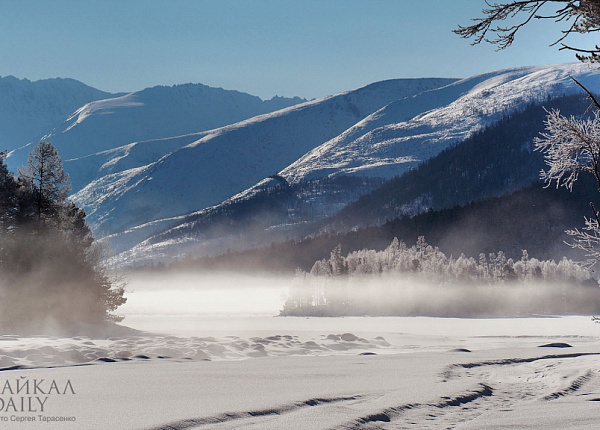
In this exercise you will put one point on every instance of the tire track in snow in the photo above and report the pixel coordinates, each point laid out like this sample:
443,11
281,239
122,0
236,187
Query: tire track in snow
232,416
575,386
391,414
450,371
495,392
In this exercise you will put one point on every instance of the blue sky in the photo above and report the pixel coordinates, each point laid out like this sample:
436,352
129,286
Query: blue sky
310,48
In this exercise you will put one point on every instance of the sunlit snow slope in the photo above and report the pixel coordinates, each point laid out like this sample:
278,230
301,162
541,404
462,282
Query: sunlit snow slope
28,110
411,130
387,142
225,161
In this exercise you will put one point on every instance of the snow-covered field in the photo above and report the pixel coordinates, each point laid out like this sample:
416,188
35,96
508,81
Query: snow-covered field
211,354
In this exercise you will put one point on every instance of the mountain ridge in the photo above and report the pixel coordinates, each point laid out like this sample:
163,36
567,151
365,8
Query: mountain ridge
262,146
154,113
515,96
28,109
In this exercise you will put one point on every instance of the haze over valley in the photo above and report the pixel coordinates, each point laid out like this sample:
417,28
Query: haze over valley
160,171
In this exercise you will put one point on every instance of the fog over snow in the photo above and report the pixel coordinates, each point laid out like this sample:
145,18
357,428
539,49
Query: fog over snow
219,358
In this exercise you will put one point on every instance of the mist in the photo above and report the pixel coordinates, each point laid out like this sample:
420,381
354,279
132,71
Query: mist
408,296
181,295
205,294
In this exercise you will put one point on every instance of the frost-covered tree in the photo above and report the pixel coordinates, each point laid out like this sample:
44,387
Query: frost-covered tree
570,145
337,262
323,292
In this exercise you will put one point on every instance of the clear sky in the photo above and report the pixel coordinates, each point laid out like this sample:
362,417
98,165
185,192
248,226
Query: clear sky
309,48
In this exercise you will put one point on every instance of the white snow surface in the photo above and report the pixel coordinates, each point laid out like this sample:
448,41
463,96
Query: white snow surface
237,367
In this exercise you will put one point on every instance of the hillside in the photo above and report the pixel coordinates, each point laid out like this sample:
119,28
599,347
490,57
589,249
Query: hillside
494,161
226,161
497,160
534,218
413,129
459,154
28,110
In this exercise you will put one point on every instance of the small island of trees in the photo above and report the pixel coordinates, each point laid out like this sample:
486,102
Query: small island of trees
422,281
51,277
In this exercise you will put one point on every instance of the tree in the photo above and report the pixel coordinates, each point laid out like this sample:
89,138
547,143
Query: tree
47,181
8,196
570,145
582,16
50,265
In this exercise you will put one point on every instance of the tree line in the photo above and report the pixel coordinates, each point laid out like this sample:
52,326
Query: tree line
384,282
51,274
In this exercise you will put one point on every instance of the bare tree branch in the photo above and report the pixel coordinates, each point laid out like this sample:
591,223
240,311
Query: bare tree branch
585,16
590,95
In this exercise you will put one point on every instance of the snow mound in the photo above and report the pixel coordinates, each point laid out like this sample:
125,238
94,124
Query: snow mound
39,351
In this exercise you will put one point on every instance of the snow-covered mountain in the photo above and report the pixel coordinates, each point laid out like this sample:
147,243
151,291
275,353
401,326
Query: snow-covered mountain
411,130
151,114
141,163
224,161
29,109
384,144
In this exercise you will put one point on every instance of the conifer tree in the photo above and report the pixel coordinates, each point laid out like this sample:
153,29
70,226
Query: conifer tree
8,196
50,265
46,180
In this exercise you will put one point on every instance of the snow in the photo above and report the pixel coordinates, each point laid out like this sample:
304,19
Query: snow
414,129
102,107
393,138
244,368
261,146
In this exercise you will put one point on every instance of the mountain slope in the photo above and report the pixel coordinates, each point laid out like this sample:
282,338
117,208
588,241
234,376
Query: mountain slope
494,161
150,114
391,141
491,161
228,160
533,218
29,109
